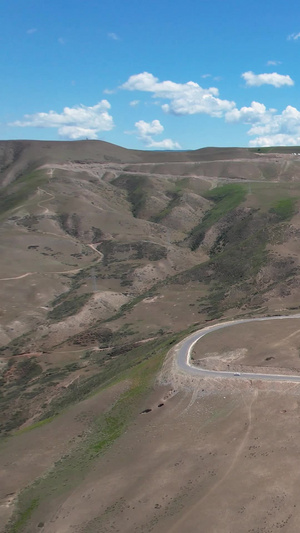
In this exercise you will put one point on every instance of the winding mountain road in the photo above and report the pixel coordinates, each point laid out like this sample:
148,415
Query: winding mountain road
184,351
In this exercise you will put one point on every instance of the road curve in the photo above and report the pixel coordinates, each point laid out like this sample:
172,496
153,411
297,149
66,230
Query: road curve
184,350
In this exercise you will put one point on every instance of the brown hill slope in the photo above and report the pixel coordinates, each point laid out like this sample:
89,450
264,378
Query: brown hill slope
18,156
103,247
108,257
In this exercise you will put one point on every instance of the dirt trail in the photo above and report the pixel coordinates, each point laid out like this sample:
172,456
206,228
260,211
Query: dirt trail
72,271
94,247
283,341
46,210
97,170
18,277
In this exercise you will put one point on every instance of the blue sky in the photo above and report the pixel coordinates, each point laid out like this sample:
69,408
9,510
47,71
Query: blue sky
154,74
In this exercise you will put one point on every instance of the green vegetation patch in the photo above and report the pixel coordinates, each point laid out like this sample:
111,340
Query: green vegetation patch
284,209
136,187
19,191
120,252
225,199
233,266
27,369
175,197
116,421
24,516
38,424
237,262
69,223
241,261
140,370
69,307
18,345
236,258
114,366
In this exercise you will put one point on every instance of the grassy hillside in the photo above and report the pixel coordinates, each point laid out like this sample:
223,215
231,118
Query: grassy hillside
224,198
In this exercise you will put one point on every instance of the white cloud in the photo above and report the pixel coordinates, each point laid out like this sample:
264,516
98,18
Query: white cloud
206,76
74,122
166,144
76,132
265,124
31,31
293,36
273,63
149,128
61,40
113,36
109,91
140,82
256,112
275,79
134,103
145,131
286,123
184,98
271,129
280,139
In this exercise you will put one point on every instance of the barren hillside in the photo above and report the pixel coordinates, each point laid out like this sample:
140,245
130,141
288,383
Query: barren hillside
109,256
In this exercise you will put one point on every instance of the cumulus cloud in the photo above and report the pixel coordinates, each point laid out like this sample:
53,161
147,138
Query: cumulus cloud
281,139
266,125
76,132
287,122
149,128
269,127
282,128
256,112
165,144
74,122
146,130
293,36
184,98
275,79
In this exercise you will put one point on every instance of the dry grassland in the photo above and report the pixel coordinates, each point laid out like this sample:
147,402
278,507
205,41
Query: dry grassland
269,345
223,462
106,256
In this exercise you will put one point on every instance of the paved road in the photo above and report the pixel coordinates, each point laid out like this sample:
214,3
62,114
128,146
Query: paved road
184,363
